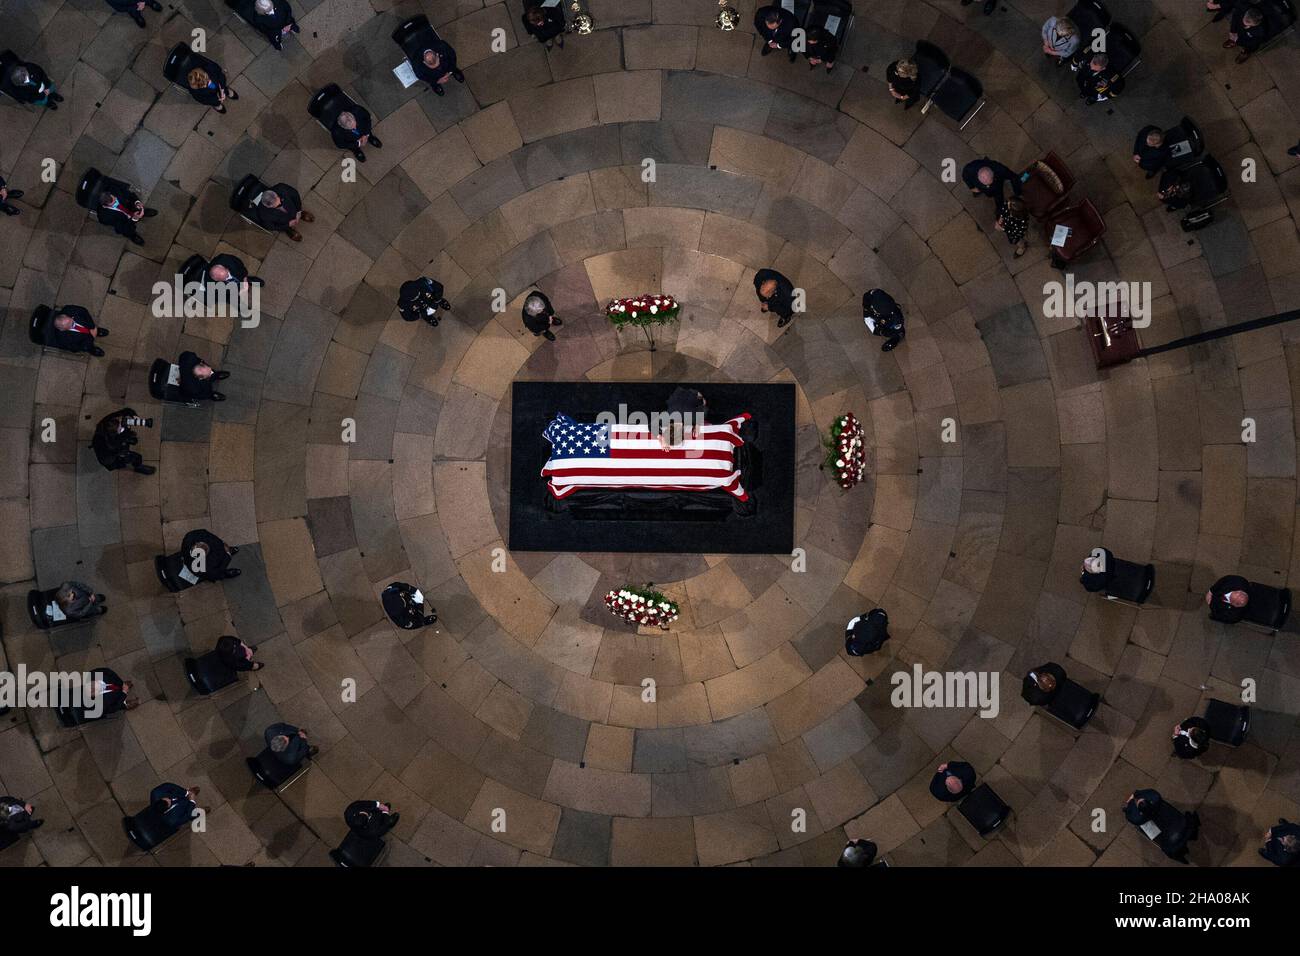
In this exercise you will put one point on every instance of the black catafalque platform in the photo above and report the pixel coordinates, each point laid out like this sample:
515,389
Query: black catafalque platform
711,522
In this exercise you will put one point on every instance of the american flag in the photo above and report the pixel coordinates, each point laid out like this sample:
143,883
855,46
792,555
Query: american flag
628,456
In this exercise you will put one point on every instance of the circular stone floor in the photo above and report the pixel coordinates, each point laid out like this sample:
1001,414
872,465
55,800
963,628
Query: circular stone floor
528,696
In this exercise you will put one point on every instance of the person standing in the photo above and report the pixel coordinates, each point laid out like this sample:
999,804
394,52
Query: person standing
1227,599
422,299
1097,81
545,25
988,177
775,294
274,20
1150,151
775,27
903,77
1282,843
135,8
539,316
438,62
820,48
175,803
884,317
28,83
1098,571
226,268
1013,219
78,601
289,744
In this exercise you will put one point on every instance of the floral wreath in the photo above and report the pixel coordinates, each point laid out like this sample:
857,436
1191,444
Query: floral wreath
642,606
846,452
658,309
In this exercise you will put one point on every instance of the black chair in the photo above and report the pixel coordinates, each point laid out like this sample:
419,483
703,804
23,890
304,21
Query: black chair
1131,583
1089,16
164,384
1186,143
932,67
40,321
193,271
357,851
90,185
242,199
273,773
984,810
1228,722
1268,607
209,674
1123,48
1177,829
1281,17
74,716
7,839
41,606
149,829
821,13
960,96
171,570
1073,704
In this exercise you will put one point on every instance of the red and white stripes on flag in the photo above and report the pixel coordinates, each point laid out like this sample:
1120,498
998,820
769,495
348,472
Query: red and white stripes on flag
630,456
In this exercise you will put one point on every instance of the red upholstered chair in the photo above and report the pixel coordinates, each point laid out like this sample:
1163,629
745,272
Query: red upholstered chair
1086,229
1049,183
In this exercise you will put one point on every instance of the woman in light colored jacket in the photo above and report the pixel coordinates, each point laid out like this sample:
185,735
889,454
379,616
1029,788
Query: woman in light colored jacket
1060,39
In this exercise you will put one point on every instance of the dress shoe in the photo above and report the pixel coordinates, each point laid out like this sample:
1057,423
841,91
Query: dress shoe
18,193
218,397
137,239
312,751
548,335
556,320
145,469
374,141
150,213
9,210
51,105
233,572
783,321
97,352
57,97
361,157
232,95
989,7
102,332
1293,151
218,109
889,346
155,5
458,76
766,50
295,27
294,234
439,90
138,18
307,217
220,376
37,824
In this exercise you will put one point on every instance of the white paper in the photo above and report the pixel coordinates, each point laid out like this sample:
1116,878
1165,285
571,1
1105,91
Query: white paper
1150,829
406,73
550,3
174,375
832,24
55,613
1180,149
788,4
849,626
871,323
188,575
1061,234
418,596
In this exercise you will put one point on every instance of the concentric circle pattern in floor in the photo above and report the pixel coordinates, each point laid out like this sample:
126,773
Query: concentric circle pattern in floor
528,698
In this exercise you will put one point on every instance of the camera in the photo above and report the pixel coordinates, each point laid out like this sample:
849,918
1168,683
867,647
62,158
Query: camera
134,421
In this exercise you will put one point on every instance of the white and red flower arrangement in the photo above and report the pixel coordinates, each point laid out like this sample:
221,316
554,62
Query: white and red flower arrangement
642,607
846,452
656,309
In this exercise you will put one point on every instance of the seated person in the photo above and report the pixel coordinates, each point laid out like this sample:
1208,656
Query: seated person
775,294
422,299
122,209
274,20
1227,599
1098,571
1042,684
207,556
16,816
1060,39
113,691
1281,843
820,47
114,438
72,329
228,268
857,853
237,655
353,129
884,317
6,194
289,744
903,77
437,62
1249,30
1175,189
1141,806
775,27
539,316
135,8
1191,737
545,24
866,633
197,377
405,606
28,83
952,781
1150,151
207,85
175,803
1097,81
370,818
78,601
279,209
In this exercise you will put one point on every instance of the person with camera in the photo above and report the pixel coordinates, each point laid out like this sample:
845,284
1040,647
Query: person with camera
422,298
114,437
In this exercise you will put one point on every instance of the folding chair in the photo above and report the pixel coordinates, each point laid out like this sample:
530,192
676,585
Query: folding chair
1228,722
46,615
358,851
1281,16
1073,704
415,36
1209,188
242,199
208,675
1267,608
172,572
1123,48
1186,144
833,16
960,96
932,68
149,829
165,384
272,773
984,810
1089,16
1131,584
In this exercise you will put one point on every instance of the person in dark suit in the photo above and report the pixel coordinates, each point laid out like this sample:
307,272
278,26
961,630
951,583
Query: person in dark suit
237,655
1042,684
866,633
988,177
1294,150
78,601
274,20
1141,806
72,329
1175,189
952,781
17,816
231,269
123,212
197,377
776,294
1191,738
6,194
113,691
28,83
279,209
539,316
436,63
370,818
1227,599
289,744
207,556
175,803
135,8
857,853
821,47
422,299
884,317
114,438
989,6
405,606
1097,81
1150,151
353,129
207,85
545,24
1282,843
1247,32
775,26
1098,571
904,79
